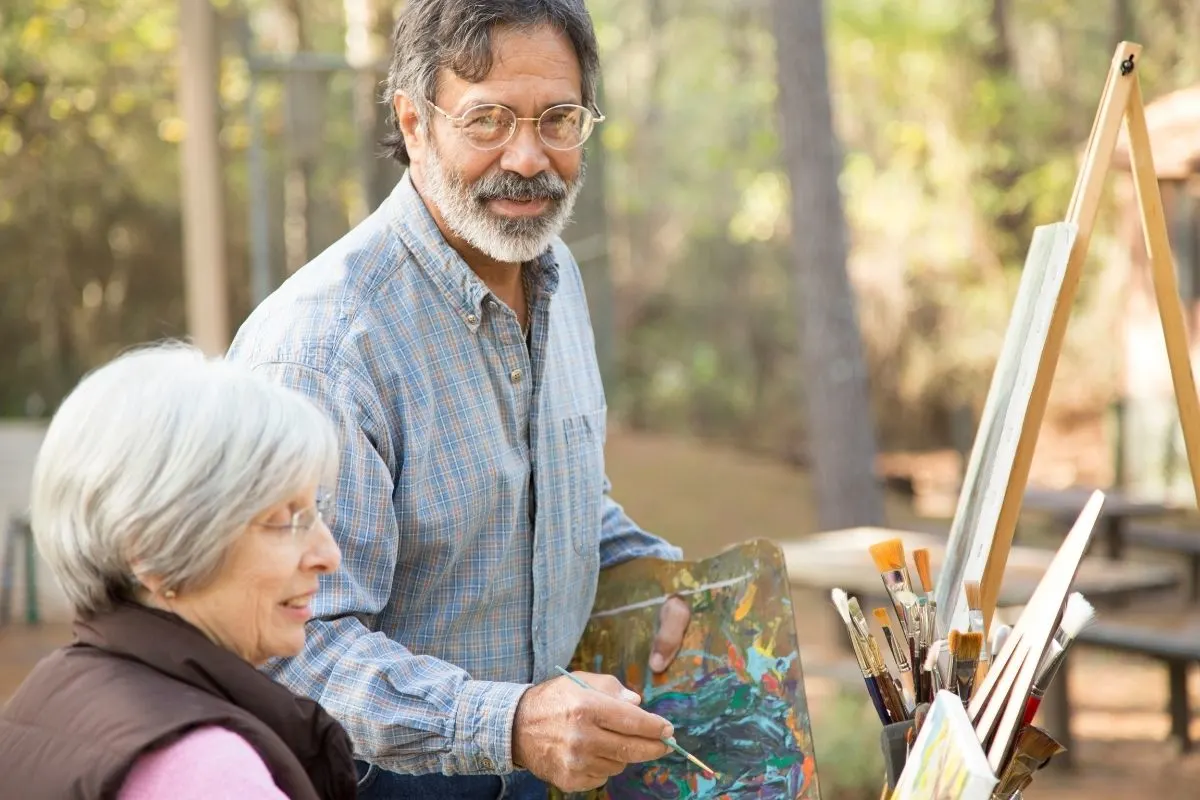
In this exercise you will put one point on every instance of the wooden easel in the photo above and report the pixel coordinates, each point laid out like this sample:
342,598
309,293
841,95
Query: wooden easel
1121,101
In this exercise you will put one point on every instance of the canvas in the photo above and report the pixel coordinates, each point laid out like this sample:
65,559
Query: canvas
735,692
947,761
992,456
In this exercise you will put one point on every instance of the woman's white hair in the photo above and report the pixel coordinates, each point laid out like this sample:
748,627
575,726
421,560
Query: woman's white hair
157,461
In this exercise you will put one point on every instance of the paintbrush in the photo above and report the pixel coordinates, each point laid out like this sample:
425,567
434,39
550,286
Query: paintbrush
1032,750
889,686
925,574
974,609
889,560
964,656
913,637
1000,635
932,668
1077,615
902,663
842,603
669,741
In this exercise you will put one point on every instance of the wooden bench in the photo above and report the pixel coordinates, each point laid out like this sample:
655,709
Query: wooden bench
1179,541
1177,649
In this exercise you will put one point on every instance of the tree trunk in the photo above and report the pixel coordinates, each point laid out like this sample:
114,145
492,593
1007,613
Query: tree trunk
841,432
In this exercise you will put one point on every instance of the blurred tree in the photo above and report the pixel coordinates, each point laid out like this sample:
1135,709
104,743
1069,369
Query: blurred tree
841,433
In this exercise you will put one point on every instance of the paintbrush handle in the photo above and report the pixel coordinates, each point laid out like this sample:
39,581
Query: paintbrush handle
892,700
872,683
1031,708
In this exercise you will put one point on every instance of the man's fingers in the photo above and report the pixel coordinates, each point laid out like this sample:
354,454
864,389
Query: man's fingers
609,686
672,624
621,749
629,720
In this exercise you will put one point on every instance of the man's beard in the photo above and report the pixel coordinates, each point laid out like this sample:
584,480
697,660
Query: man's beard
512,240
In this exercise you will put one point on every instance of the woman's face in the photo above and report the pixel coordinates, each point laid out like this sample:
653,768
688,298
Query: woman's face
261,599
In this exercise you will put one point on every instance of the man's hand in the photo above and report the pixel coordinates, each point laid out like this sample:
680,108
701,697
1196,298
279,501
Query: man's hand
672,625
576,739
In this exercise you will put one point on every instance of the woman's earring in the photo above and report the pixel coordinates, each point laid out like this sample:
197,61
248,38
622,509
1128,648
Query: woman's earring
169,594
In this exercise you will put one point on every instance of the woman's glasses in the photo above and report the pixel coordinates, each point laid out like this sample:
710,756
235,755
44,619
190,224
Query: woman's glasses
304,519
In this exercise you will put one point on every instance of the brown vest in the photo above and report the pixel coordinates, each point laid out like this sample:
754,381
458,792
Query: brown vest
136,679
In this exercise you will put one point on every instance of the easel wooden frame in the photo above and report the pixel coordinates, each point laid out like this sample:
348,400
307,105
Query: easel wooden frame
1120,101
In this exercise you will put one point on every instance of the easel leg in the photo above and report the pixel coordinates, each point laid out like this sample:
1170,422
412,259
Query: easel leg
1162,270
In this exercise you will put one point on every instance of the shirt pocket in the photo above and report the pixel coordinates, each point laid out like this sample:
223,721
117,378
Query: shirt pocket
584,458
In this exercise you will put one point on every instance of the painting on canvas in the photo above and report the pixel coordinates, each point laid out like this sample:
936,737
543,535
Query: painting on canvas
735,692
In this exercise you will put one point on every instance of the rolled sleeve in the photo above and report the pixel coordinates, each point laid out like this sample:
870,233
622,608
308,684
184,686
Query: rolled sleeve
483,728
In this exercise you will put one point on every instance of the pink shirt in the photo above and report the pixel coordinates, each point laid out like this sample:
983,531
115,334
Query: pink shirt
210,763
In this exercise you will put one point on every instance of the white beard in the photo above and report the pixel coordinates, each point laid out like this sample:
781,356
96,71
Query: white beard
510,240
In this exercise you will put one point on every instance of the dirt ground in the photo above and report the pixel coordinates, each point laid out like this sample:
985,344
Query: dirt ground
706,498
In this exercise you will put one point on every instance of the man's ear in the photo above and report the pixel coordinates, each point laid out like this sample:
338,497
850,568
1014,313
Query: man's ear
409,120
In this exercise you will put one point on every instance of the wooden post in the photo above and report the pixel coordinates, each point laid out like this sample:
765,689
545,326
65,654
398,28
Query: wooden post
204,256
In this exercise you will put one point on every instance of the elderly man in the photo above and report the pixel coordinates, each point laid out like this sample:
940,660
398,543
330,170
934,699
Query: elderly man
448,337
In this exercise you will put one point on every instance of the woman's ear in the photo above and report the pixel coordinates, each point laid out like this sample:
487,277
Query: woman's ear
408,118
151,584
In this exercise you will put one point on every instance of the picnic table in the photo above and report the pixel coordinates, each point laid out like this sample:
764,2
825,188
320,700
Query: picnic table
1119,509
840,559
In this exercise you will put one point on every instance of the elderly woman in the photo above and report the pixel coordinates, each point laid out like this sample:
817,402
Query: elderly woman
176,501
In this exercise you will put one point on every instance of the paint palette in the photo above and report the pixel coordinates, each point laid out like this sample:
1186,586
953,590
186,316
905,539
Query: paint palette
735,692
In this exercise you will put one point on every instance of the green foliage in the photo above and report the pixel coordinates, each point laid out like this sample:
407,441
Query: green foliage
955,148
849,762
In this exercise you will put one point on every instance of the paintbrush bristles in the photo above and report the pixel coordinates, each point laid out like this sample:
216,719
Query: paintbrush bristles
921,559
881,616
888,555
1077,615
974,595
967,646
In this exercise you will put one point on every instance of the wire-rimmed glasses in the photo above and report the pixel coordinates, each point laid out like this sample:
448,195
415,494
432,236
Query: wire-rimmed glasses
304,519
489,126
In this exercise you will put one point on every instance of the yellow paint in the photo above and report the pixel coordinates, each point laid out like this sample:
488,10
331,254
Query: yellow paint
744,607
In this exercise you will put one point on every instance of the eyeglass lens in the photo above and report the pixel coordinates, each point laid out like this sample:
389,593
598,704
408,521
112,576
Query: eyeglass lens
562,127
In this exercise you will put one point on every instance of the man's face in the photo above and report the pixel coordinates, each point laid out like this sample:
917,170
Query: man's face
508,203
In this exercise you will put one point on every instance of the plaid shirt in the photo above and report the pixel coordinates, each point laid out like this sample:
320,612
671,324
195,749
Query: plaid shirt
472,507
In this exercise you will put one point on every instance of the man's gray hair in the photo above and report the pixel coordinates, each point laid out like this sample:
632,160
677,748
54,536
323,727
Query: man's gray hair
457,35
157,462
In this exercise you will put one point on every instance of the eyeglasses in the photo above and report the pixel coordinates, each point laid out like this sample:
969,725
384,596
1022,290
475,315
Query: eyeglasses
489,126
304,519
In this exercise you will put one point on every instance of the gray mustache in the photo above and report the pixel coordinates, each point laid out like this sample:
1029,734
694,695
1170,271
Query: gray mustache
510,186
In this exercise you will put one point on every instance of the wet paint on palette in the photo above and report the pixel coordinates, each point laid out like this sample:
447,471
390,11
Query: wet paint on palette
735,692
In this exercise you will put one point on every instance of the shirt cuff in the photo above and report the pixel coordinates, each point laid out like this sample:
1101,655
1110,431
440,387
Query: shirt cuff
483,727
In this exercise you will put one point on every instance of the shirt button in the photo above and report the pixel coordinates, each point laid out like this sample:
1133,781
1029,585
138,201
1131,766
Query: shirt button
487,764
515,375
472,319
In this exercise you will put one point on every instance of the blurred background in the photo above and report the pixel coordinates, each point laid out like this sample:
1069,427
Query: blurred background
958,127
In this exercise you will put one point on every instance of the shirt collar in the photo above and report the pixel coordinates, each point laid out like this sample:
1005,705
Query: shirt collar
412,222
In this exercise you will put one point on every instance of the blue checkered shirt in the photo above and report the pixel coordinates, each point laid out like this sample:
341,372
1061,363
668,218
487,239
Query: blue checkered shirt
472,507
